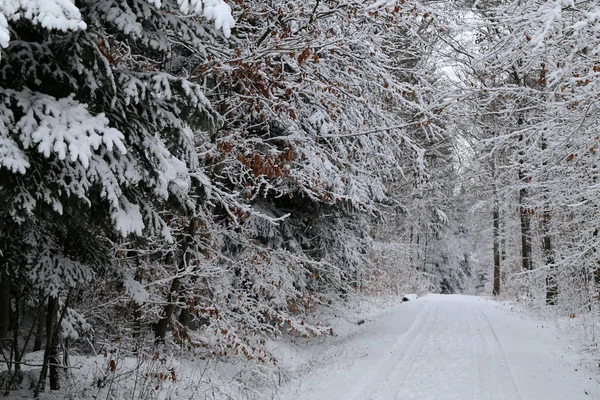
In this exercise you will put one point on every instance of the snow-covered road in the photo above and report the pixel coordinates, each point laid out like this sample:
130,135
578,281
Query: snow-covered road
449,347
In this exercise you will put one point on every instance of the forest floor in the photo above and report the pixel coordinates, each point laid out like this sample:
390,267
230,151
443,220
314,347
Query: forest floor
449,347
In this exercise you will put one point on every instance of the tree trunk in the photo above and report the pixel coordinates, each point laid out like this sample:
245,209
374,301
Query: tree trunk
53,360
137,308
15,323
185,318
410,246
502,240
50,351
41,324
160,331
4,308
496,217
551,282
51,337
597,282
525,218
425,252
496,229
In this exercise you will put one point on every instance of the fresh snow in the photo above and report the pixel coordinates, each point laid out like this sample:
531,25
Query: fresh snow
64,15
430,348
448,347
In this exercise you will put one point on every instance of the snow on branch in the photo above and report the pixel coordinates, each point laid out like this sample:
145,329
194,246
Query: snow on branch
213,10
128,218
50,14
60,127
220,12
64,15
11,156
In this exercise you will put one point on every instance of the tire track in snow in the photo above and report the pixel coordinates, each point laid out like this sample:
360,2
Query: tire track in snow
407,364
450,348
481,354
496,351
403,361
476,371
367,388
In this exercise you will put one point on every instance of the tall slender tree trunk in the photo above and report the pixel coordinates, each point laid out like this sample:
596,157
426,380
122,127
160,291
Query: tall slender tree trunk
496,218
496,227
525,231
50,362
502,240
410,247
4,308
52,338
137,308
16,328
597,281
425,252
41,325
596,273
524,215
551,282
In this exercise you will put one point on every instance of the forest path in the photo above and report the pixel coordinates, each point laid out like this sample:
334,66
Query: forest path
449,348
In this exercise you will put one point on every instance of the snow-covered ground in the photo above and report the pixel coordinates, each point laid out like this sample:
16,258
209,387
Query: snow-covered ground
434,347
447,347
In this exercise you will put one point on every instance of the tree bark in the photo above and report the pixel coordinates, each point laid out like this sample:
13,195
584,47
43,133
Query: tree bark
525,218
4,308
502,241
185,318
496,228
160,331
16,327
41,324
425,252
137,308
496,218
51,333
50,351
410,246
597,282
54,361
551,282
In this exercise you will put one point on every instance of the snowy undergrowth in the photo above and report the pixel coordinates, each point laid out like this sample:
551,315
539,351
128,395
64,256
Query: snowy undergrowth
578,326
584,326
171,374
112,376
